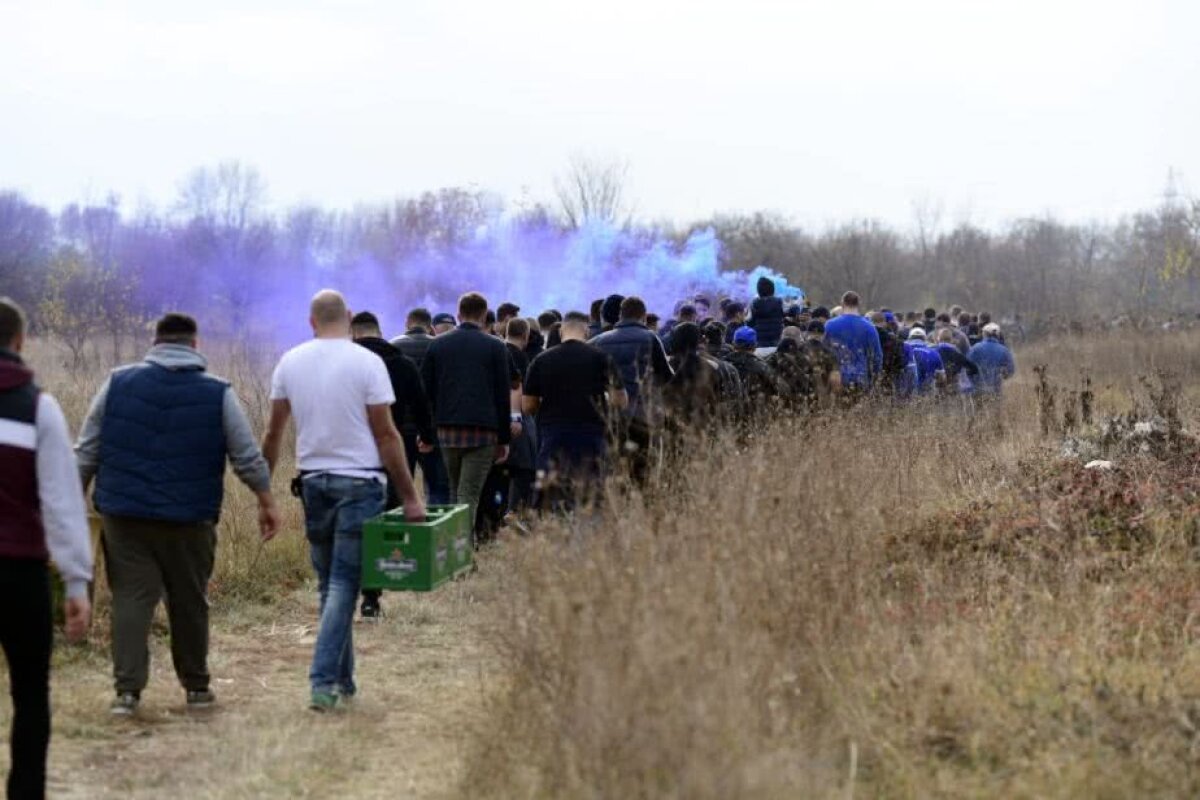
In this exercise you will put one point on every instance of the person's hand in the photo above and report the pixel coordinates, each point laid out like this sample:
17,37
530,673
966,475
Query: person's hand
501,453
424,447
514,429
414,510
79,618
268,520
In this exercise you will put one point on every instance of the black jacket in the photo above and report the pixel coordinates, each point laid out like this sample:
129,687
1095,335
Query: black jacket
639,356
414,344
766,317
411,409
466,375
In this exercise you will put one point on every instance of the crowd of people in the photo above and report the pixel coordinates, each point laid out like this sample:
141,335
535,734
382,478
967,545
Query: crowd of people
502,413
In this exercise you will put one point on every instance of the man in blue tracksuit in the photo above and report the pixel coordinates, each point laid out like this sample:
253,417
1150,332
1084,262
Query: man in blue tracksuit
857,345
995,362
929,364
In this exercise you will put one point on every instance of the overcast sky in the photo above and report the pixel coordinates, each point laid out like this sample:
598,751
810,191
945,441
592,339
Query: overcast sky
820,110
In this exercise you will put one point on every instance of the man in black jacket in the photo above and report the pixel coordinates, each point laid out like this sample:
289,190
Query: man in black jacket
466,375
766,314
409,412
418,335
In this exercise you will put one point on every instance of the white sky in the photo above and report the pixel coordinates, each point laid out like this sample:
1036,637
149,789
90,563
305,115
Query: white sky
820,110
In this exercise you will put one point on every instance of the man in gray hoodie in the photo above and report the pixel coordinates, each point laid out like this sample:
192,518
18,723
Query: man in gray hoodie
156,440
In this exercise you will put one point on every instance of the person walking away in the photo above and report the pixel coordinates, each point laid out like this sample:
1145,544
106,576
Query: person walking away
856,343
795,373
759,380
467,377
766,314
155,440
410,412
895,359
42,516
642,362
961,372
994,360
347,446
930,372
570,391
414,344
443,324
731,394
521,467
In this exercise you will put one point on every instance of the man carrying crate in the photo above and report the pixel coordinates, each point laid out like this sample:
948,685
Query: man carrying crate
346,446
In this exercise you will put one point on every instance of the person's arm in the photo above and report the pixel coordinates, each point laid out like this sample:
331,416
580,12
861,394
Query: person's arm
968,365
414,395
659,364
531,400
391,453
1010,365
429,379
618,398
64,512
248,463
876,351
281,411
501,398
87,447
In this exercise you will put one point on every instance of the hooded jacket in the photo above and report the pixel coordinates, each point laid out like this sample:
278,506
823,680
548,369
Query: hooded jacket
42,511
410,412
766,314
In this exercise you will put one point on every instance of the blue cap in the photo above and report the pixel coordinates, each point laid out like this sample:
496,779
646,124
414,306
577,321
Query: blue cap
444,319
889,316
745,336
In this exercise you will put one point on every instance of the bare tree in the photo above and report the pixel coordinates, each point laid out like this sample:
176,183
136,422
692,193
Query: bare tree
593,190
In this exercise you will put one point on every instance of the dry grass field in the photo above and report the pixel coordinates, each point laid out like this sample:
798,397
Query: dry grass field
878,603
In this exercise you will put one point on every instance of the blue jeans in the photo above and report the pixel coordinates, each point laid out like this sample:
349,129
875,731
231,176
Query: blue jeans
335,508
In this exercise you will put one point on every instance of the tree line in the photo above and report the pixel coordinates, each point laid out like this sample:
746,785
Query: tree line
96,272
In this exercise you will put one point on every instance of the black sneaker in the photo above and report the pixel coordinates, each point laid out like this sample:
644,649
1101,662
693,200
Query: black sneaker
201,699
371,608
125,704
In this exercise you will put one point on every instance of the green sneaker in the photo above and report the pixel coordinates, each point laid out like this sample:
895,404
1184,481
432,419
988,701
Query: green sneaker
323,701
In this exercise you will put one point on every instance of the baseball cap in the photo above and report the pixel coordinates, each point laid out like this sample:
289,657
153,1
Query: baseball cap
444,319
917,333
991,329
745,336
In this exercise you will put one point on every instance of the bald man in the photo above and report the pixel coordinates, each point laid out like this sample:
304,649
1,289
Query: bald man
347,446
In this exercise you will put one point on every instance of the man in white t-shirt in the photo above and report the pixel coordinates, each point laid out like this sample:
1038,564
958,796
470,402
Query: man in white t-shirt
346,447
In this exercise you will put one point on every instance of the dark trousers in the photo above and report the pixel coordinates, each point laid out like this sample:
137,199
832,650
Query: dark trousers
147,559
25,634
572,464
433,468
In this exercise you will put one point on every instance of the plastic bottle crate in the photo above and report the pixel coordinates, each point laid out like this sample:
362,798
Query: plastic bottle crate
403,556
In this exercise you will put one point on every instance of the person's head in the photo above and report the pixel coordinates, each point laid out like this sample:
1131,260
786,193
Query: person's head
850,302
554,336
176,328
744,338
792,333
956,311
546,320
714,336
821,314
365,325
890,320
12,325
473,309
574,327
917,336
943,319
985,318
652,321
964,320
610,312
516,330
506,311
765,287
702,307
816,329
836,311
686,338
489,321
910,318
991,331
787,346
930,313
633,309
735,313
945,336
419,319
328,314
878,319
596,311
443,323
687,313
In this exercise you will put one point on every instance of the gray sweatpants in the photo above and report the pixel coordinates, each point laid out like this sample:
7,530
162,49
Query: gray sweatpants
145,560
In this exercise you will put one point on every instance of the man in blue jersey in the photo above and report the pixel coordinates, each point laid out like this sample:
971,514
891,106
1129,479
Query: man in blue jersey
995,362
857,345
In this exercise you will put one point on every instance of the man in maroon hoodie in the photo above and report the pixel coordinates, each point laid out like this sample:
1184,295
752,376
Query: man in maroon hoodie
42,516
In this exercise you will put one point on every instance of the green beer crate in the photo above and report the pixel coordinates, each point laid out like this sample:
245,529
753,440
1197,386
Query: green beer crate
405,556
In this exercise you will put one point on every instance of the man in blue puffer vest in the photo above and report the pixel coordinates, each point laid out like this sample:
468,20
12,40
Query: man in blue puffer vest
156,440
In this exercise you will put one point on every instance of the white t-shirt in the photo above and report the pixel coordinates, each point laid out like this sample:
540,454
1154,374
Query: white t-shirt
329,384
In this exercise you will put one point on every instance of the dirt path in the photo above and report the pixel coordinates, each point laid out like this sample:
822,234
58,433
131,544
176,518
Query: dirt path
422,679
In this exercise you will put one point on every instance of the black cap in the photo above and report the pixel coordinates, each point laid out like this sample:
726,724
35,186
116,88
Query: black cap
444,319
